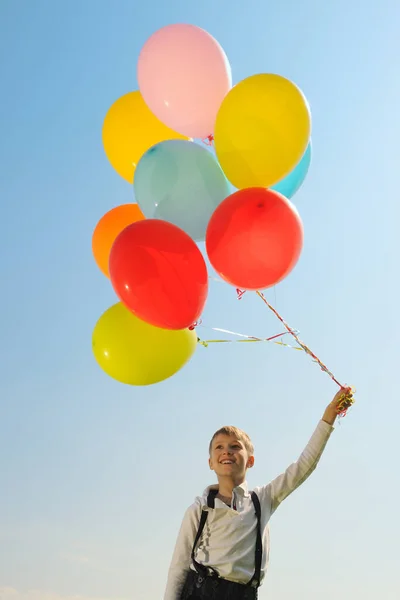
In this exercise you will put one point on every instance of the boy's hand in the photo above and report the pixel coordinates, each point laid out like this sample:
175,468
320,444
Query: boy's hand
331,411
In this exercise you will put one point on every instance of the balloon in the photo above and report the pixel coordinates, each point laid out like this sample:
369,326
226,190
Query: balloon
183,75
254,238
292,182
159,273
136,353
129,129
108,228
180,182
262,130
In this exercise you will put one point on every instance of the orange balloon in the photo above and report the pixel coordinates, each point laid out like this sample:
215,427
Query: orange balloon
107,230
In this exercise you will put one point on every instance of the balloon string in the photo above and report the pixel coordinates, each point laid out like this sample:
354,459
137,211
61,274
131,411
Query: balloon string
246,338
296,337
272,339
347,399
253,338
205,343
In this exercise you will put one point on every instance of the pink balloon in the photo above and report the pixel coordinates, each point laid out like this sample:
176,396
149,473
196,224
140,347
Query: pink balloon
183,76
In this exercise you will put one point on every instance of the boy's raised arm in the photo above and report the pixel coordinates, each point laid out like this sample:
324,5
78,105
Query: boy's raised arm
281,487
181,558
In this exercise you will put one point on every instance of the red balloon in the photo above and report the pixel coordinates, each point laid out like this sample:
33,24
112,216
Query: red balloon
254,238
159,273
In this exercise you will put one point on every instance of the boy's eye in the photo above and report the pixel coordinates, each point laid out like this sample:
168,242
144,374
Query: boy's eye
233,446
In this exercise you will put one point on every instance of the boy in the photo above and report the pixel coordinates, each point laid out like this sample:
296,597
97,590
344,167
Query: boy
223,545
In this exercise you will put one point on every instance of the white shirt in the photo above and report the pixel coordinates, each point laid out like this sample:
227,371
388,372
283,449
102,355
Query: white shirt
229,537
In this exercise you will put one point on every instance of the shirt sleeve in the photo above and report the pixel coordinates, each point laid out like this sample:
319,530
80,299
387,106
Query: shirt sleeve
281,487
181,558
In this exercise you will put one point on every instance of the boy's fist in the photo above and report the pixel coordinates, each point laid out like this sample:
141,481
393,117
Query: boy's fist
341,401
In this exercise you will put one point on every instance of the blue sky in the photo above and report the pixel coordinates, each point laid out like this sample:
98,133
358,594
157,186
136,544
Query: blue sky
95,476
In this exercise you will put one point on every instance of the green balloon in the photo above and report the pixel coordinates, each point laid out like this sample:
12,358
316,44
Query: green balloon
180,182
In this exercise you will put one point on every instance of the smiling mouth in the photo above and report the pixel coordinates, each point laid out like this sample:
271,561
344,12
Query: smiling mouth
227,462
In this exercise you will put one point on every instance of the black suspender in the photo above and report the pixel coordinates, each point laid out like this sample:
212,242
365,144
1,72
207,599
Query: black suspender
204,514
258,551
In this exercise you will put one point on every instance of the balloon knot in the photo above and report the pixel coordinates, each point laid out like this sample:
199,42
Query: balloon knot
194,325
240,293
208,141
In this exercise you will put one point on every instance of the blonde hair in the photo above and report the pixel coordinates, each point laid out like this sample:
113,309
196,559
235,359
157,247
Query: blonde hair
237,433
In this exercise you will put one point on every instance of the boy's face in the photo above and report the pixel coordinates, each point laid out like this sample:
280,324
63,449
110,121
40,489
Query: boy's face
229,458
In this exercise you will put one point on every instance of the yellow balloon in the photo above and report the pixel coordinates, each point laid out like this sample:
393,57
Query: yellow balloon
136,353
262,130
129,130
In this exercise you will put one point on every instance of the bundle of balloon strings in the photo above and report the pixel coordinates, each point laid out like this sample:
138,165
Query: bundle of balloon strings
346,401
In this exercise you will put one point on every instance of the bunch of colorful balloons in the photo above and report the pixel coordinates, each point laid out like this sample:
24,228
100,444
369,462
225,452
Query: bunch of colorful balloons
260,130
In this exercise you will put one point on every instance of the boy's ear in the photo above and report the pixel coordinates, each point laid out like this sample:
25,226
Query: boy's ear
210,464
250,462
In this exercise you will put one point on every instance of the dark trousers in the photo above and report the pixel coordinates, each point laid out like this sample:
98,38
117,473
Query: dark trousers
198,587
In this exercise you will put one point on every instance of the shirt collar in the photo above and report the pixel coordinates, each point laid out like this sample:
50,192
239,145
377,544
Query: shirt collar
242,489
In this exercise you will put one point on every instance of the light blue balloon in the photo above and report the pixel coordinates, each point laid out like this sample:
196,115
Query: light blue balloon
180,182
290,184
